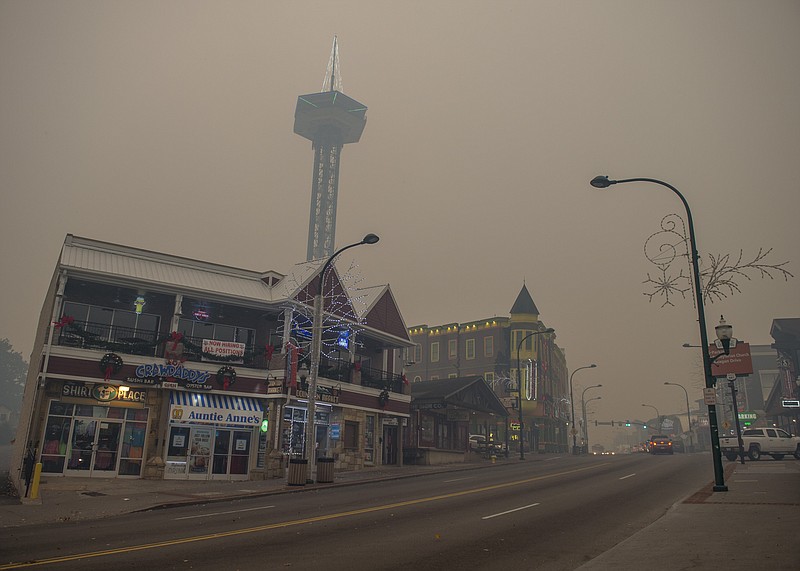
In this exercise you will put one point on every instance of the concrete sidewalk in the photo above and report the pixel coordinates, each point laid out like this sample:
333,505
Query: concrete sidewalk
754,524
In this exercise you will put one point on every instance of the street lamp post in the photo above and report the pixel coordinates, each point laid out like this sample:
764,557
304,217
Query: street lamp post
719,476
519,392
583,414
316,349
572,406
585,425
688,413
658,416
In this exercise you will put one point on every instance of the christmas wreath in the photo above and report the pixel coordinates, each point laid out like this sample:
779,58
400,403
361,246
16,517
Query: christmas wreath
383,398
226,376
110,364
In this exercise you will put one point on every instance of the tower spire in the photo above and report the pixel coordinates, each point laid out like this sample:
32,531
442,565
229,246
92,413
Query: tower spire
333,73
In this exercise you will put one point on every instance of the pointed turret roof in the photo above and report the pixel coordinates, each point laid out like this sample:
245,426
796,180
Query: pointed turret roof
524,303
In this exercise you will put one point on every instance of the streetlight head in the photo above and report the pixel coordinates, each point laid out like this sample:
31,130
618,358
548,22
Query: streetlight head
370,239
687,345
549,330
602,182
592,366
724,331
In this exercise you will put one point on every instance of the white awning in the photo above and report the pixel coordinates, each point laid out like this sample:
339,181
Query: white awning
214,409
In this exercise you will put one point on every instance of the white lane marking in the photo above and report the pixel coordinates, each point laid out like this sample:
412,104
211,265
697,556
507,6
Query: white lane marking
554,458
223,513
457,480
628,476
745,481
510,511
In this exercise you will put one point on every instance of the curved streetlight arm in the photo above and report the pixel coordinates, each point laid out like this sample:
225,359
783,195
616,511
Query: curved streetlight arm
519,391
688,413
316,349
572,407
719,476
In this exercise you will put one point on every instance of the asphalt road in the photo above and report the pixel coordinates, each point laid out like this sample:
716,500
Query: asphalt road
548,514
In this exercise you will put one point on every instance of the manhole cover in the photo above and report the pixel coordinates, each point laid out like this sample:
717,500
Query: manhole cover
93,494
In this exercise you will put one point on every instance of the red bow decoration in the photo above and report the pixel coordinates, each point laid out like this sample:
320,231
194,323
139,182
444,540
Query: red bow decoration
357,366
269,350
64,321
405,380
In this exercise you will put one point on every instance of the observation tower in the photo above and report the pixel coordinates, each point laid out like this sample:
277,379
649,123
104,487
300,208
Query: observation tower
329,119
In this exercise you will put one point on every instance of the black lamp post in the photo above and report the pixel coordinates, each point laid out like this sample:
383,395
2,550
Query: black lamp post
572,406
719,476
725,335
519,392
316,348
658,416
688,413
583,416
585,425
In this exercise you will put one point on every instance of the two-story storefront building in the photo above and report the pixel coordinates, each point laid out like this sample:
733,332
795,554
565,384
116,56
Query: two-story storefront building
148,365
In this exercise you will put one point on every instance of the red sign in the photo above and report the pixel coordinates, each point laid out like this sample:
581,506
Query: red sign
739,362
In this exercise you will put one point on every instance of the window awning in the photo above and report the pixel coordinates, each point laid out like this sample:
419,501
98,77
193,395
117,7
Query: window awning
215,409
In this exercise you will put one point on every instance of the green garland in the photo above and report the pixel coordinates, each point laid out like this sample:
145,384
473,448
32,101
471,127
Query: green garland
111,346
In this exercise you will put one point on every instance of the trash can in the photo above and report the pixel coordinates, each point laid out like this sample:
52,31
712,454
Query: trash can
325,470
297,471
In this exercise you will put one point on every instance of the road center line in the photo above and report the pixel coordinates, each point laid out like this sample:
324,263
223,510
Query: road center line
628,476
511,511
457,480
285,524
223,513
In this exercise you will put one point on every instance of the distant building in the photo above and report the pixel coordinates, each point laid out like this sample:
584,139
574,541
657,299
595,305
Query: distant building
783,400
488,348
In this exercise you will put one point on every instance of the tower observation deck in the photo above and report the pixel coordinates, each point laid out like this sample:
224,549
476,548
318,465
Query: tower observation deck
329,119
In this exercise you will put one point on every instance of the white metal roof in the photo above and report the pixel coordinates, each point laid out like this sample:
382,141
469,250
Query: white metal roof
172,272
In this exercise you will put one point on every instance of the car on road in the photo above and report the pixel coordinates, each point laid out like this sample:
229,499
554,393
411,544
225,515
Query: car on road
661,444
477,443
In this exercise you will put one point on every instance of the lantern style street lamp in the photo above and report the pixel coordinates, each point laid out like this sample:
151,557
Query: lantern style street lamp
716,454
316,349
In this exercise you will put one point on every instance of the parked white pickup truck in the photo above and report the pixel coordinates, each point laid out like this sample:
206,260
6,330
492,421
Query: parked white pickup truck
757,441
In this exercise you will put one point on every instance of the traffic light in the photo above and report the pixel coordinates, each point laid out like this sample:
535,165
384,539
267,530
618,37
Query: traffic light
264,425
595,423
628,423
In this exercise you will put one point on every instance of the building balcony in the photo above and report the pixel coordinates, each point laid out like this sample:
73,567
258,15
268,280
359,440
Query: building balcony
130,341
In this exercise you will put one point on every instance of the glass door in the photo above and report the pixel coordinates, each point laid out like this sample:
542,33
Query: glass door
94,447
199,453
81,447
222,454
106,448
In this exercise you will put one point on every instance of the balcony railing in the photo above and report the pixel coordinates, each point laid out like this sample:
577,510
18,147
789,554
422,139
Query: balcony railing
130,341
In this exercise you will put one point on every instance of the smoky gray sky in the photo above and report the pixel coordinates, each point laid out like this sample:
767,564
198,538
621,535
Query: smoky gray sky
167,125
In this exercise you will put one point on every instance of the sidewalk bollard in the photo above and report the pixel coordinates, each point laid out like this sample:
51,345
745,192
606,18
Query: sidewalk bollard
37,474
297,471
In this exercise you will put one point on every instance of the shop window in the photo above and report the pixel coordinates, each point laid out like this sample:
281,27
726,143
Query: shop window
54,451
350,435
369,439
452,349
488,346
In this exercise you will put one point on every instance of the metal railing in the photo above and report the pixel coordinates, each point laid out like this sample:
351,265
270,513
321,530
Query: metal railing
131,341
